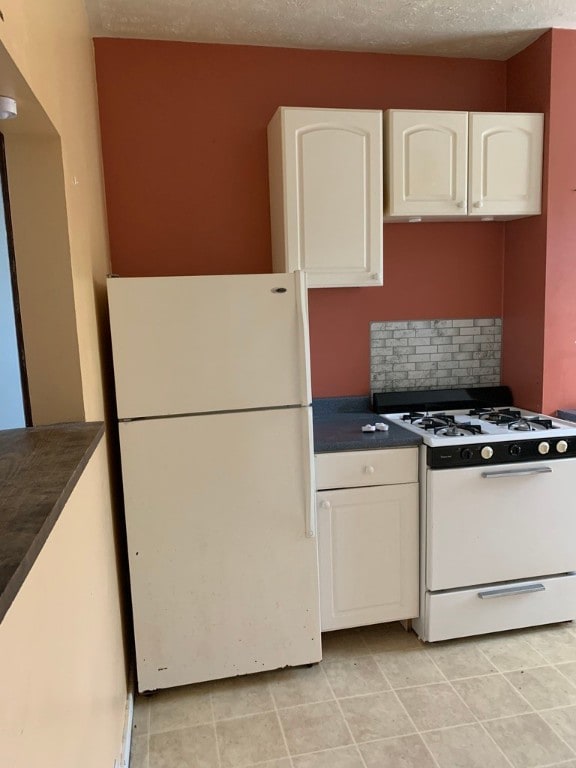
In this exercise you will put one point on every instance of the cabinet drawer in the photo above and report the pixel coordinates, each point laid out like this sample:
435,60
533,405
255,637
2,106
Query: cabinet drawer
357,468
464,612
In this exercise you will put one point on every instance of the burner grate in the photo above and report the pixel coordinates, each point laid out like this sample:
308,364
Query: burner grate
496,415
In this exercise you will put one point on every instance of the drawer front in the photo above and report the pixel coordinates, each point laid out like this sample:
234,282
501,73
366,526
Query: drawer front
357,468
499,607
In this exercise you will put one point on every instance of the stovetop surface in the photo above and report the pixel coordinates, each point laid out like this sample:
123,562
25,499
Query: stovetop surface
460,427
468,416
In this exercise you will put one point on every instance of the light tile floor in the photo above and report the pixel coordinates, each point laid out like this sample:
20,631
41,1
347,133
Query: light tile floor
379,699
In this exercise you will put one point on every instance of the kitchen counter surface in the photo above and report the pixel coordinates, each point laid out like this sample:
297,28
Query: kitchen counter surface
568,415
39,468
338,422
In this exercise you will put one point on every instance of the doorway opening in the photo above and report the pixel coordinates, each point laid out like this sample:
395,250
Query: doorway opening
14,397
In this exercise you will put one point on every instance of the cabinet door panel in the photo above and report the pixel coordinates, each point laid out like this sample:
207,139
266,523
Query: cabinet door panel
368,549
505,164
325,170
427,165
332,181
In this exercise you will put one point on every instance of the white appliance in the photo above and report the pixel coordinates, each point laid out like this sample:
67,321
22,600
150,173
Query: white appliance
214,407
498,526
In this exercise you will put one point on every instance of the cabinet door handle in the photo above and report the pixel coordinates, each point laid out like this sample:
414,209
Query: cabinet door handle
517,472
525,589
303,333
324,504
479,204
369,469
461,204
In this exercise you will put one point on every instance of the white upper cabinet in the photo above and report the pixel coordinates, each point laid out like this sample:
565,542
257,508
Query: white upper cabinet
505,164
326,192
427,162
456,165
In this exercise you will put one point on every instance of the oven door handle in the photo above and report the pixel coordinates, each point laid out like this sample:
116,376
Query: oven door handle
525,589
517,472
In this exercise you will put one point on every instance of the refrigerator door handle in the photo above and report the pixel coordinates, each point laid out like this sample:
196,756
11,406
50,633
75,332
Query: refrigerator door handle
309,475
302,305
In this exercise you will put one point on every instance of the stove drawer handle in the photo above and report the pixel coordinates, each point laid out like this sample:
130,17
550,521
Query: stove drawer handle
517,472
526,589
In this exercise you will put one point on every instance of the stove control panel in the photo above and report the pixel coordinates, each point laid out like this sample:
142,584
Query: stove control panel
505,452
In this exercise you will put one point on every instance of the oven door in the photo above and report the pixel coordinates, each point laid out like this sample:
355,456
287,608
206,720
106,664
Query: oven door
500,522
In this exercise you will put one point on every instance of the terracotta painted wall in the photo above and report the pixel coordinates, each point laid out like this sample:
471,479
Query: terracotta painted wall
185,162
559,390
528,86
539,360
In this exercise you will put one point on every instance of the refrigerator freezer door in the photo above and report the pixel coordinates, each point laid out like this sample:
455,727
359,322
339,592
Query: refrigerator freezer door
199,344
224,578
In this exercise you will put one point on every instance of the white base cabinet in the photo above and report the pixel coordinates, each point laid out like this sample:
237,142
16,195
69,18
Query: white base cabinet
453,166
368,538
326,195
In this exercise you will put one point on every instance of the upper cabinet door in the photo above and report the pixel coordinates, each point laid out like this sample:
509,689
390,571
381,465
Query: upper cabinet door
326,195
505,164
427,163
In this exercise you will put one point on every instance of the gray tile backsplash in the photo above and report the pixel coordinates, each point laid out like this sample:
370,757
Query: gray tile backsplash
435,354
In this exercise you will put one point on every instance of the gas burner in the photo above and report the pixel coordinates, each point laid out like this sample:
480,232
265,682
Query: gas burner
458,430
531,425
496,415
424,421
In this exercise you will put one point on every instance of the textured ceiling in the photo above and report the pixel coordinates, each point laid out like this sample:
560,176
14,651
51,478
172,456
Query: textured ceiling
488,29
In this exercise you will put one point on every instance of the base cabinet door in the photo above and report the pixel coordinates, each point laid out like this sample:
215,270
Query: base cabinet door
368,552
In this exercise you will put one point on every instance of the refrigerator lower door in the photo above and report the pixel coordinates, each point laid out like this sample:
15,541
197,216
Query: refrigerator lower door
224,577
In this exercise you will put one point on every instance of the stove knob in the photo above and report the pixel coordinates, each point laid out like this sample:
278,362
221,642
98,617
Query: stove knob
515,450
543,448
466,453
561,446
486,452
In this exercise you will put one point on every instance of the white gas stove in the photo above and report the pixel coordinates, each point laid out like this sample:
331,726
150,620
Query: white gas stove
480,433
498,523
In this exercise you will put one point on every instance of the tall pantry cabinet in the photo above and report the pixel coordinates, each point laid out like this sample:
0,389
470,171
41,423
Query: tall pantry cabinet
326,194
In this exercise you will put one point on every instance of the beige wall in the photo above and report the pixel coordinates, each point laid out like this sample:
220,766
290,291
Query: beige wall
63,690
62,666
47,63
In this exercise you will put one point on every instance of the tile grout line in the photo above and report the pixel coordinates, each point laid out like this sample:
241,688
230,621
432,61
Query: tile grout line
147,755
218,758
148,719
408,715
343,716
279,719
501,751
532,707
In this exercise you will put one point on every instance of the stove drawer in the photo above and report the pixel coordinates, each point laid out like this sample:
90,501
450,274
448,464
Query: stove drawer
498,607
353,469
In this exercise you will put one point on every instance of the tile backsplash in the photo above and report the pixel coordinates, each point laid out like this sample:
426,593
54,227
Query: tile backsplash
435,354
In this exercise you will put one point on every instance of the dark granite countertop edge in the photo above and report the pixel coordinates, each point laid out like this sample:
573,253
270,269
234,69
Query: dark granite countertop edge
20,574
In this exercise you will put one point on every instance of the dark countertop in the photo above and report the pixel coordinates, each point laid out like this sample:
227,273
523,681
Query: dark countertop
568,415
338,422
39,468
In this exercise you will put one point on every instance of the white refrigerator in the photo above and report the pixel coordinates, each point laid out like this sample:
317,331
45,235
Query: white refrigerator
215,422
